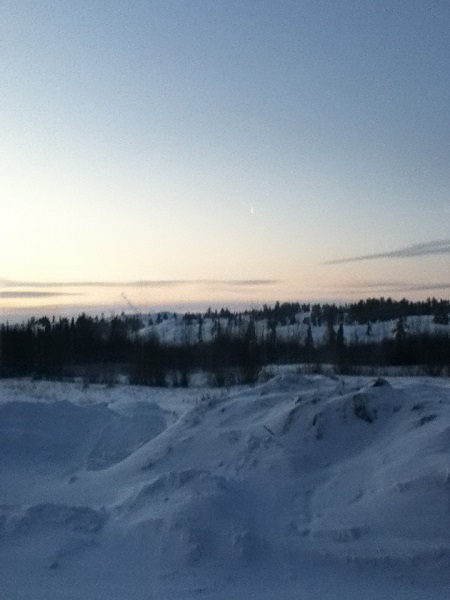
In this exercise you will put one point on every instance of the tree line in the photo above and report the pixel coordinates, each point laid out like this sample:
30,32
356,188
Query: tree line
100,348
362,312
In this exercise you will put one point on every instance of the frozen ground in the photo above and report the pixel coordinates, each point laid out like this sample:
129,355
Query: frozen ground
297,488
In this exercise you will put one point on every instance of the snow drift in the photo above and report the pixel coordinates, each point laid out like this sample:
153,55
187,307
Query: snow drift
297,487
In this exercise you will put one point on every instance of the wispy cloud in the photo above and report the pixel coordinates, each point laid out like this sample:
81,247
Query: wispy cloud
155,283
437,247
249,282
18,295
392,286
90,284
425,286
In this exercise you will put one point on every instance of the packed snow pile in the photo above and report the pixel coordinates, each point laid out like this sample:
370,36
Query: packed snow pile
297,487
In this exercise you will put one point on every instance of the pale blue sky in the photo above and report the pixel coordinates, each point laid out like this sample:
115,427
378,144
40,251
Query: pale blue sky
233,140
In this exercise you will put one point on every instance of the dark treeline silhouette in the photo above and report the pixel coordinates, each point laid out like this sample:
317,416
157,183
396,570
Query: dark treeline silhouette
233,349
362,312
49,348
381,309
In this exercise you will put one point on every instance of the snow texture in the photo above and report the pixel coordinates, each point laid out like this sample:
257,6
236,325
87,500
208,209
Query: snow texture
299,487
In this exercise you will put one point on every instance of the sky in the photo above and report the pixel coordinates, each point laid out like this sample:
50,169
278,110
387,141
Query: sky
186,154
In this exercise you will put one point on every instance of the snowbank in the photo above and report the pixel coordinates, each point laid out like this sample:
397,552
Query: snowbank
306,487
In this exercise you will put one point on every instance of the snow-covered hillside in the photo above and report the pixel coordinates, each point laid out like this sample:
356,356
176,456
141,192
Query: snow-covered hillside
298,487
174,329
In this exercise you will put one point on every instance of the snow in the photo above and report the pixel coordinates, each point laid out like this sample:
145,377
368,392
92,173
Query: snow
173,329
298,487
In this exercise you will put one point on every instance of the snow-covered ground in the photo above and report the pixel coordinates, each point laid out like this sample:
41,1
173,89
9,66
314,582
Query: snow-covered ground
297,488
175,330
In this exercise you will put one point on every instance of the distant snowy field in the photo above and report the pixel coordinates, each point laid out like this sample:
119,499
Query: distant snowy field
296,488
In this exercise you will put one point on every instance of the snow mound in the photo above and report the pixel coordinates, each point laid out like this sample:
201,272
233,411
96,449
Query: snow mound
255,484
47,516
71,435
38,433
284,382
124,434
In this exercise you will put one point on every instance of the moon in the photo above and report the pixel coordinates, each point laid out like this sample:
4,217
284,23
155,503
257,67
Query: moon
252,210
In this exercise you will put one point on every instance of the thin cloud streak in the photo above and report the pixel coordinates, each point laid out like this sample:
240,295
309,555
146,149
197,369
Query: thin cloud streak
437,286
391,286
144,283
89,284
248,282
18,295
433,248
